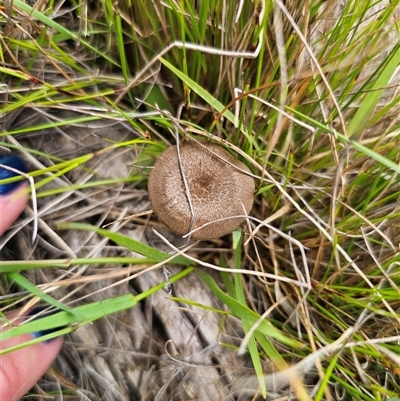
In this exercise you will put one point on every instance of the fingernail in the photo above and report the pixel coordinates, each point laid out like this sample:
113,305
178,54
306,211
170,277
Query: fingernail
16,163
38,309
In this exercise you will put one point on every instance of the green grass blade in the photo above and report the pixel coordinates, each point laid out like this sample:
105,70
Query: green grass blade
128,243
240,297
57,27
361,148
75,317
91,312
246,314
195,87
363,115
27,285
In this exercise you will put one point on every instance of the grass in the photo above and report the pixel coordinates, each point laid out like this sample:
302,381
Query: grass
307,96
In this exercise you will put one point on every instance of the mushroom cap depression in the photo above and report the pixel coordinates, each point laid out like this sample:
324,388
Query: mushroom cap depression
217,187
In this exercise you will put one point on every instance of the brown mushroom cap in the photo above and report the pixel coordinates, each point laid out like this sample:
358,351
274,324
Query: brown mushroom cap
217,189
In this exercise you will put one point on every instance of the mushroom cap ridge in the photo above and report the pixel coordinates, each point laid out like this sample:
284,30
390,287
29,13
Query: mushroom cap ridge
217,190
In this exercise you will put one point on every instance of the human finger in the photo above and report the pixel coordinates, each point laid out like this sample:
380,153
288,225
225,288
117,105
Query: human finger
21,369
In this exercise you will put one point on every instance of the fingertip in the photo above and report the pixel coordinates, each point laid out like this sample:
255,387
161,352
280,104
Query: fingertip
21,369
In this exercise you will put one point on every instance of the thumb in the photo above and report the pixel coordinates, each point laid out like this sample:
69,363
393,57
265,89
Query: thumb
21,369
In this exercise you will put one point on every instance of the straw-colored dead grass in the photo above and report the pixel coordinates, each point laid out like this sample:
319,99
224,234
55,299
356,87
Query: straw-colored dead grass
316,243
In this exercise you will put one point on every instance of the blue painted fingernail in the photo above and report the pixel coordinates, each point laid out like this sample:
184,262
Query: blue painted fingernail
16,163
39,309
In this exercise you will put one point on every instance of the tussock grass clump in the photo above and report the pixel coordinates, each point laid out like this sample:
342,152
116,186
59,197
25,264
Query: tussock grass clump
302,302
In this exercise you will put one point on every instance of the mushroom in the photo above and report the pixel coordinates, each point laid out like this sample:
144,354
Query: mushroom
218,185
